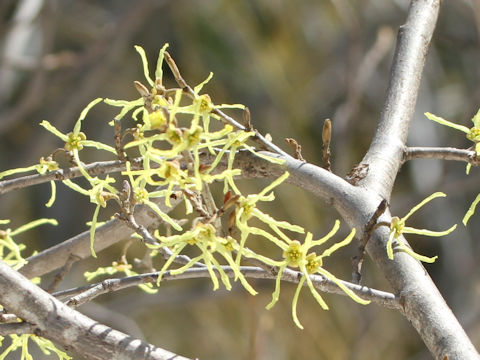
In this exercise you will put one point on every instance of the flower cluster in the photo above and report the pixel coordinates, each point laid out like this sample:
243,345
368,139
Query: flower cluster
183,145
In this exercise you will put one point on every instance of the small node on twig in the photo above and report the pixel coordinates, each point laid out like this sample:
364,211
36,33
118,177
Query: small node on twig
473,158
197,203
296,147
118,140
127,204
326,138
125,196
357,173
369,228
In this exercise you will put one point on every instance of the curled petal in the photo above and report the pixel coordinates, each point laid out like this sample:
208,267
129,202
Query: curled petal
92,230
413,254
146,72
390,245
409,230
342,286
423,202
471,210
276,292
295,301
442,121
161,56
83,115
340,244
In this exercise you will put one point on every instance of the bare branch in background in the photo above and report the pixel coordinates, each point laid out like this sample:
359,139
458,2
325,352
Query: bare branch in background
62,272
110,233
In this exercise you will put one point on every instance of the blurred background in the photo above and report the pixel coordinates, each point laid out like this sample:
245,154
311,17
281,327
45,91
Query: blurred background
294,64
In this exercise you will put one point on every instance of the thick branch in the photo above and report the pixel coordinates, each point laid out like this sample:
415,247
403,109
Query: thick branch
385,154
57,322
110,233
17,328
421,301
424,306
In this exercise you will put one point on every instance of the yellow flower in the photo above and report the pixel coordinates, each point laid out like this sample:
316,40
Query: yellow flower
299,255
397,228
203,237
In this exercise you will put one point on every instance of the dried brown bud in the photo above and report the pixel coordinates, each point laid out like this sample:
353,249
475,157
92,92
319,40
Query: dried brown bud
142,89
327,132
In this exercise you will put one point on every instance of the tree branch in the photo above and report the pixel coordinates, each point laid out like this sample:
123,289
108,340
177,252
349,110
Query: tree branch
94,169
55,321
386,151
227,119
90,292
18,328
442,153
110,233
423,305
421,301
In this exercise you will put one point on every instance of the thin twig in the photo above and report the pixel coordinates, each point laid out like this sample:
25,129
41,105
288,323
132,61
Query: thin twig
110,285
117,137
370,227
443,153
224,117
127,205
94,169
110,233
127,216
206,196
